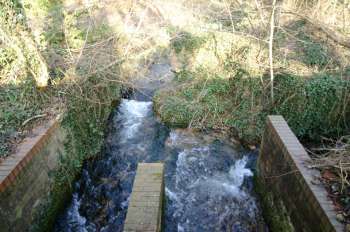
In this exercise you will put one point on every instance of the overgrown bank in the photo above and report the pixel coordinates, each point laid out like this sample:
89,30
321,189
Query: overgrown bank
223,80
313,106
221,83
46,74
85,123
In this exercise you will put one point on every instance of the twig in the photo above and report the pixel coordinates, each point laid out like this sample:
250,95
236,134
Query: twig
83,47
32,118
260,12
272,28
230,14
283,174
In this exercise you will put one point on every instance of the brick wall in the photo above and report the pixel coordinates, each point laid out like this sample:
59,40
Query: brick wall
282,169
145,206
25,176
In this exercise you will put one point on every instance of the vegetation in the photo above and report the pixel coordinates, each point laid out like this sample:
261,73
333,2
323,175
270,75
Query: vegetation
46,67
71,88
242,72
84,140
233,98
231,71
22,69
223,81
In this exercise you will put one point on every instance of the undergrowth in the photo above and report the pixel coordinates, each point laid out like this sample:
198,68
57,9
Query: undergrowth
76,88
313,106
21,70
223,81
85,135
235,96
18,103
186,41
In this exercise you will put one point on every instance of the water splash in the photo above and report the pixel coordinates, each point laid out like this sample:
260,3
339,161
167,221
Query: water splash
133,114
206,178
206,191
239,171
102,194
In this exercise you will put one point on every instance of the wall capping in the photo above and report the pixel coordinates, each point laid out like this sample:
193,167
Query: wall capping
12,165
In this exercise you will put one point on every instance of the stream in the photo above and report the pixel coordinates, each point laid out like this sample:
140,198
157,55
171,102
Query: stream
208,179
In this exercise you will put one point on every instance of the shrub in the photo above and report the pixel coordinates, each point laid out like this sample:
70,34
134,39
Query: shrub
315,53
315,106
185,41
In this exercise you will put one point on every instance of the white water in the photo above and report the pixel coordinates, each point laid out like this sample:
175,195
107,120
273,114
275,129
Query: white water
134,113
204,195
78,221
205,178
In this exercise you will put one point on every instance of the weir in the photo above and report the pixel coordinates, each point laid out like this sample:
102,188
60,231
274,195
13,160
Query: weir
203,179
208,181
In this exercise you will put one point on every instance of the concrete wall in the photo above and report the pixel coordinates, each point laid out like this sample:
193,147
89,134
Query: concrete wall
25,176
283,172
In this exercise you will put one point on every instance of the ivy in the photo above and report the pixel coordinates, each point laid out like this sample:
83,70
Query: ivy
84,121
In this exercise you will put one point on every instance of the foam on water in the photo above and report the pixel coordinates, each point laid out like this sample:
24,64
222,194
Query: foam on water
239,171
205,178
204,194
78,221
133,113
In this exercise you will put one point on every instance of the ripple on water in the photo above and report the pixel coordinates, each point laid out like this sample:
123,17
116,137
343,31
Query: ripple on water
206,191
206,178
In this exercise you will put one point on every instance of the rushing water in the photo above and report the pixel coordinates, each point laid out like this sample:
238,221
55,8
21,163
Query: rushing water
208,180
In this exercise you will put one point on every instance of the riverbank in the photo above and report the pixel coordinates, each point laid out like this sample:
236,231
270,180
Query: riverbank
74,58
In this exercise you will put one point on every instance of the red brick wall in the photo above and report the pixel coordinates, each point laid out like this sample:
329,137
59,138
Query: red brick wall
282,167
25,176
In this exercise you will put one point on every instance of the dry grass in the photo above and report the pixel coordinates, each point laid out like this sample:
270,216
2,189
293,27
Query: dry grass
333,161
335,156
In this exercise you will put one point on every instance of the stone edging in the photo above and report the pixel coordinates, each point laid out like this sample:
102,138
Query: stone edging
12,165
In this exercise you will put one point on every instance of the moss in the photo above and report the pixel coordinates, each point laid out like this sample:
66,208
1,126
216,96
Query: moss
274,212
